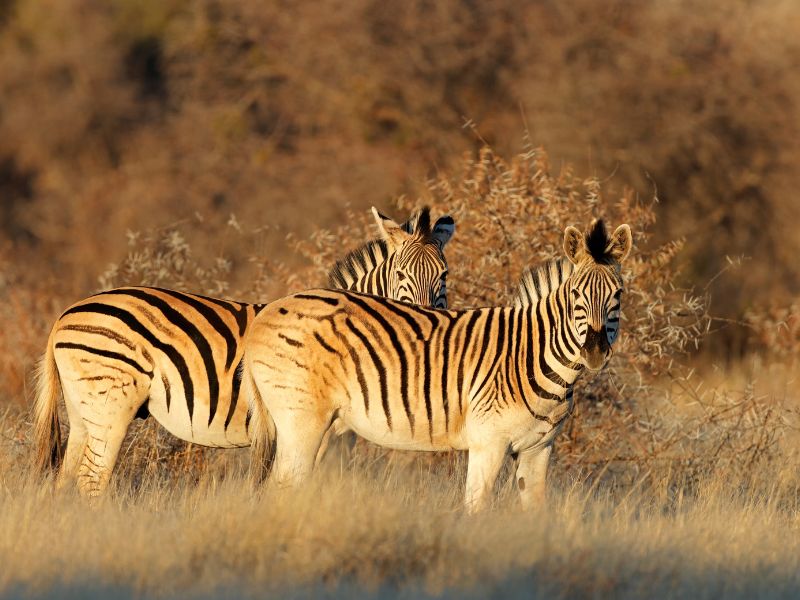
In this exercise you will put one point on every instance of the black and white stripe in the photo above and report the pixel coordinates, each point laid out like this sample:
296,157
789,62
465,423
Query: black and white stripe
490,380
136,351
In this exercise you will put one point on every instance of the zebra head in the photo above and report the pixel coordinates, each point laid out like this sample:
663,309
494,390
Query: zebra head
416,270
595,288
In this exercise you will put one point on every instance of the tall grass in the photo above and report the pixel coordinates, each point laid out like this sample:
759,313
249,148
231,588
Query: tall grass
378,529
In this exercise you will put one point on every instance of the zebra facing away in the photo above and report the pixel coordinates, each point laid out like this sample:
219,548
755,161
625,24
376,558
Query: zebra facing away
491,381
135,351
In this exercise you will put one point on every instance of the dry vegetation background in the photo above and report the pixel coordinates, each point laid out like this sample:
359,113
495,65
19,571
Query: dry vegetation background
232,147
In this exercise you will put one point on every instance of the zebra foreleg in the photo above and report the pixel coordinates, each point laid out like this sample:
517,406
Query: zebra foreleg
532,475
337,428
482,469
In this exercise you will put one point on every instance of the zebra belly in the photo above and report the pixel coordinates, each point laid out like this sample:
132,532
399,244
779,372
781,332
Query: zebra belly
400,436
197,430
537,435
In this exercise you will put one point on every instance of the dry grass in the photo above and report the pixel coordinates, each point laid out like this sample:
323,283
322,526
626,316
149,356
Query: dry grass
372,527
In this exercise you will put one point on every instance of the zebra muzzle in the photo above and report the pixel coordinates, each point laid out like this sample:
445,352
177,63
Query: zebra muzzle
596,350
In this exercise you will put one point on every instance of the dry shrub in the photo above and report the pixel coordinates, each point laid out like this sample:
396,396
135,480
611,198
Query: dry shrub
775,332
194,256
28,305
645,413
511,215
114,113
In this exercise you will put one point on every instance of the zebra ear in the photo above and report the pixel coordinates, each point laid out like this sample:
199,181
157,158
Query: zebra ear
410,225
620,244
443,230
394,234
573,244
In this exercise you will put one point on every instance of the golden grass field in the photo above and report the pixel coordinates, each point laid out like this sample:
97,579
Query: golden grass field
374,526
233,148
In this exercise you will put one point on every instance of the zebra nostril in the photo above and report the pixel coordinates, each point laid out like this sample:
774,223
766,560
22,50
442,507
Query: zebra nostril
595,339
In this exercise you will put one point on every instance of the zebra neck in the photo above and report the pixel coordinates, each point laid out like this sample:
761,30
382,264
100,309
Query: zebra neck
552,366
375,280
363,270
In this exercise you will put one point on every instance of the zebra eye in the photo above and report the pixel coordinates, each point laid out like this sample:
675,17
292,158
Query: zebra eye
401,276
576,295
616,298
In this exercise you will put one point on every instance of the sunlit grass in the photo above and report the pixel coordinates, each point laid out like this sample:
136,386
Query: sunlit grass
371,525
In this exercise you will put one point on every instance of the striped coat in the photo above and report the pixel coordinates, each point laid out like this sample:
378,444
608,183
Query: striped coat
139,351
491,381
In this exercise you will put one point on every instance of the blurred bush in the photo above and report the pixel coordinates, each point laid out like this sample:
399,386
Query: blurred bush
137,114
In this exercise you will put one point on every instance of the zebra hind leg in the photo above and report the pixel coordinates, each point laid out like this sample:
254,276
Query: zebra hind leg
76,442
106,419
299,436
100,455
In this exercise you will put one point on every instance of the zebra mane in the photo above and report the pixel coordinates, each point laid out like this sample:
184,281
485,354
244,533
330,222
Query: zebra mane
598,243
542,280
358,263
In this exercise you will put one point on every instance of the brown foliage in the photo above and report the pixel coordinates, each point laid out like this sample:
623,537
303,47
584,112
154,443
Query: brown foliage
114,113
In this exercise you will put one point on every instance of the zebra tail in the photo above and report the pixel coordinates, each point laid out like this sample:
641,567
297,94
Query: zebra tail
47,428
262,430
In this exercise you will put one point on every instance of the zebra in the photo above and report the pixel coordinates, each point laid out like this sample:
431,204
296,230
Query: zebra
139,351
492,381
